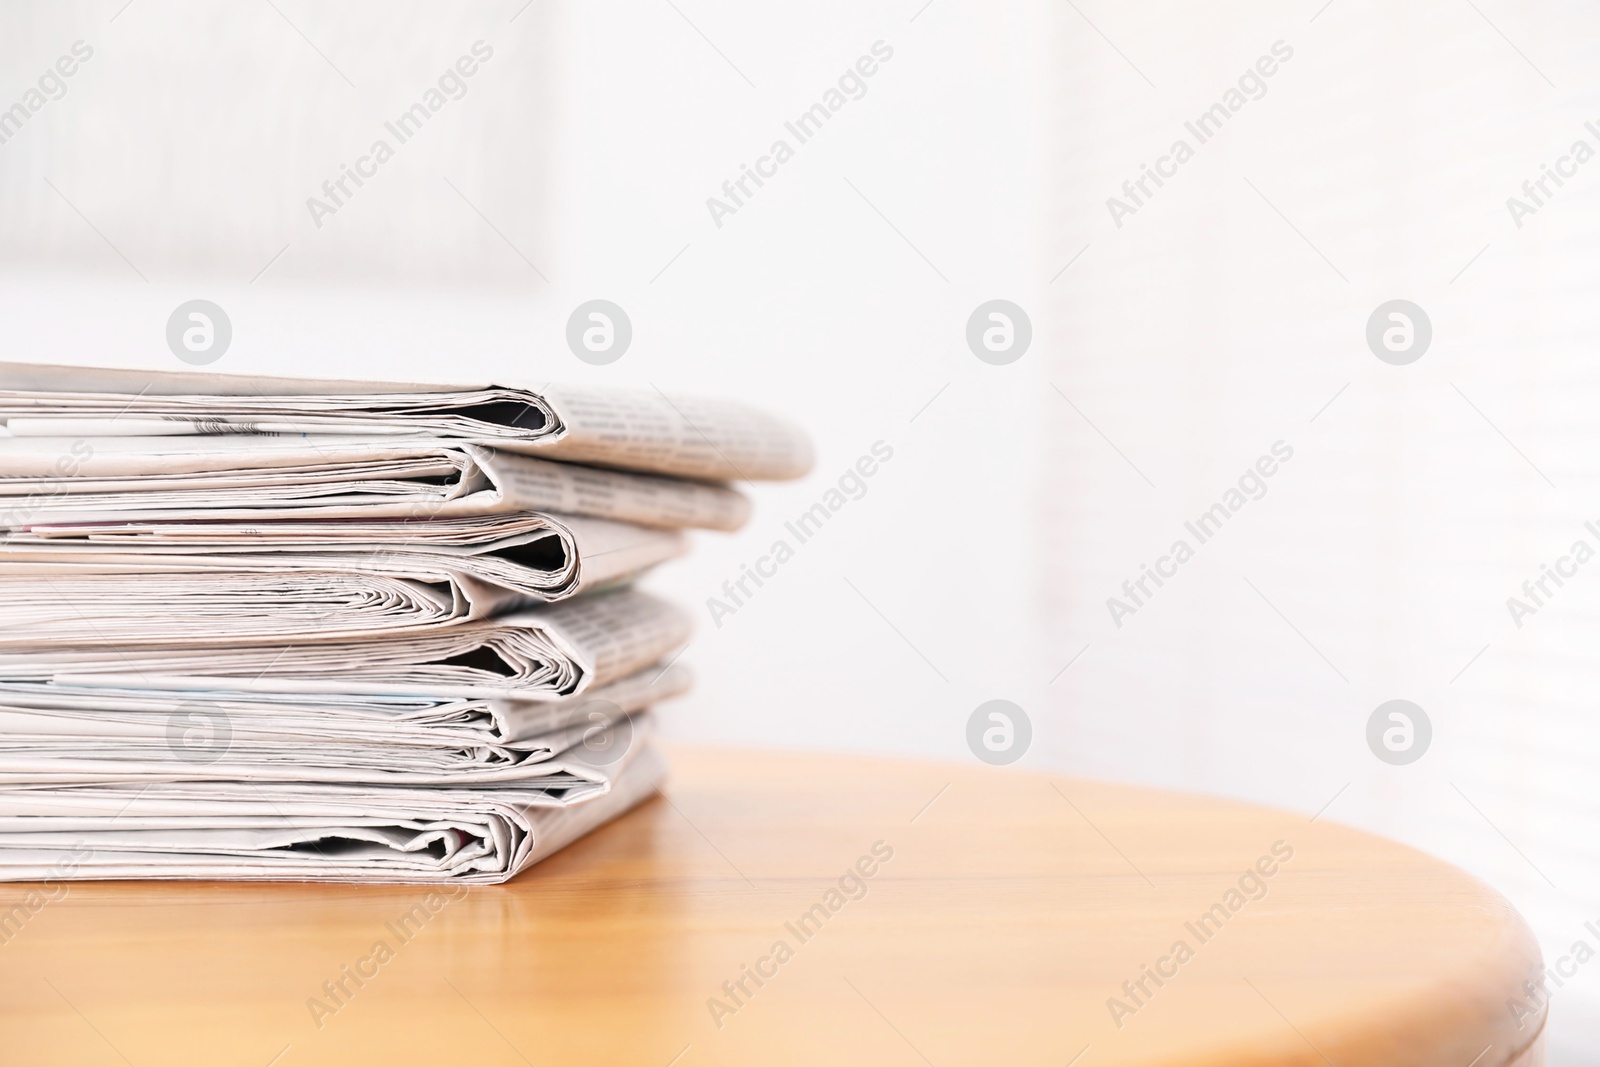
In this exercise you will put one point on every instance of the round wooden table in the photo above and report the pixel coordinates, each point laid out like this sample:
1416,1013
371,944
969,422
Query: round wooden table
794,909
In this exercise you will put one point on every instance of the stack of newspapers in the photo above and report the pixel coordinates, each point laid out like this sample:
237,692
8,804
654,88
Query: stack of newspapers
289,629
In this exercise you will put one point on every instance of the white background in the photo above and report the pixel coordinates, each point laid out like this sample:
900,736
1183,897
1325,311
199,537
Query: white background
1227,314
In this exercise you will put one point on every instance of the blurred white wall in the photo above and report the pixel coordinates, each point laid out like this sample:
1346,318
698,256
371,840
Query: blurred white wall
1226,314
194,133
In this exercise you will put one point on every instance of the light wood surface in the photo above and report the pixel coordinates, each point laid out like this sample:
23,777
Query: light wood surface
1013,907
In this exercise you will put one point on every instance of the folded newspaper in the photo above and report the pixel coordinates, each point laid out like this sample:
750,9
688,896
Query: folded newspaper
309,830
628,429
266,628
89,734
70,480
542,654
143,583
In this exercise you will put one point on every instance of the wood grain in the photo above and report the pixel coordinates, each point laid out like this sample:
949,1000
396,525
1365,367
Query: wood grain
1013,908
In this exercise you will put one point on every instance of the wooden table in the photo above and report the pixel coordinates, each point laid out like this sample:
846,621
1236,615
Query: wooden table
951,915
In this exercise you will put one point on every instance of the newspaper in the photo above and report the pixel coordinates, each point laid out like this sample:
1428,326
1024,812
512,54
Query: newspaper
266,628
84,734
628,429
310,830
97,782
543,654
44,711
225,583
56,480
